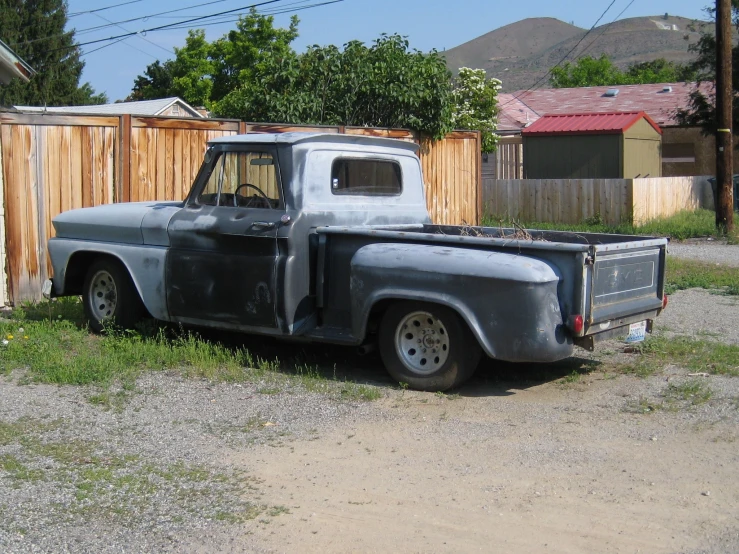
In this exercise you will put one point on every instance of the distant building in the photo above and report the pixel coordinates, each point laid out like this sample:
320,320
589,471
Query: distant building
12,66
685,150
173,106
616,145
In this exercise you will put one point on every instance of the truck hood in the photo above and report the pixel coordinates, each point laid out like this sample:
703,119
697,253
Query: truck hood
128,223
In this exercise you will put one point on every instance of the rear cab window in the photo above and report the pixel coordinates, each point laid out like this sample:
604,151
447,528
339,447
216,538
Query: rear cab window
366,177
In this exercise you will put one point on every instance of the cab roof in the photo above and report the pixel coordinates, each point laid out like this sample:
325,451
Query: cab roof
299,138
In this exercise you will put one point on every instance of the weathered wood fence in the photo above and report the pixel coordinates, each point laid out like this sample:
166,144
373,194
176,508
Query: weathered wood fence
575,200
53,163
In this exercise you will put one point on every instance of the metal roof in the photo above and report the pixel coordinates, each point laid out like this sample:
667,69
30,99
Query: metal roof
298,137
12,66
587,124
143,107
660,101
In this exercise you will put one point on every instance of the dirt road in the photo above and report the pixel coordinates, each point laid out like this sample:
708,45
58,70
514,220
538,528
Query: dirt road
524,459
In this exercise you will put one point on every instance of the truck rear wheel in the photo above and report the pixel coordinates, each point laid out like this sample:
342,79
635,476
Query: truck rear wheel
110,297
427,346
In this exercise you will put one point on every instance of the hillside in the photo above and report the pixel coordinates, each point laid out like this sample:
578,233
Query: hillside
521,53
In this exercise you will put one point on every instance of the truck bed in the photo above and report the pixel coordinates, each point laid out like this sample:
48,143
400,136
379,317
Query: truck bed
611,280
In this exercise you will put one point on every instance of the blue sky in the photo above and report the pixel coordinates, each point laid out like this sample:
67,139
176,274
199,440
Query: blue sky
428,24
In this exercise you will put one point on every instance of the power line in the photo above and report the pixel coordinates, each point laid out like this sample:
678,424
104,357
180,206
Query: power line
78,32
276,11
141,37
605,28
154,16
75,14
101,47
268,11
548,73
168,25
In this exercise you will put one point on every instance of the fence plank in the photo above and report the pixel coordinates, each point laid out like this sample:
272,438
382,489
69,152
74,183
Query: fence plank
574,200
52,163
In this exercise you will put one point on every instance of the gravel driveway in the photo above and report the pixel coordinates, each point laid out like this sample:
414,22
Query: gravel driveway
706,250
514,462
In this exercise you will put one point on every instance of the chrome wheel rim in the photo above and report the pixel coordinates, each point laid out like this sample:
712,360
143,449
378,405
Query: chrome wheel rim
103,295
422,342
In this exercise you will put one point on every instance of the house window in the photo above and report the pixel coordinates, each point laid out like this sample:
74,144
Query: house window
175,110
366,177
678,152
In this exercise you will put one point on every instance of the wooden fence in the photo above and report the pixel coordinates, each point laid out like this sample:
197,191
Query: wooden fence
509,158
53,163
575,200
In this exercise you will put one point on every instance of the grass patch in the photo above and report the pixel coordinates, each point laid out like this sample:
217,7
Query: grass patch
51,343
694,392
94,483
685,274
681,226
680,396
696,355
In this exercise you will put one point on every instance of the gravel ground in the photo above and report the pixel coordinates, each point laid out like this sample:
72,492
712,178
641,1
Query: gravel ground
531,459
706,250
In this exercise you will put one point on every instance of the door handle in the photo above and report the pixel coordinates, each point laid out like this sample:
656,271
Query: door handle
263,225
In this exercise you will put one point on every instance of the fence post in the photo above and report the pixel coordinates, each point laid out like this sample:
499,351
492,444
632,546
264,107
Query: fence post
3,262
631,201
478,175
123,188
243,127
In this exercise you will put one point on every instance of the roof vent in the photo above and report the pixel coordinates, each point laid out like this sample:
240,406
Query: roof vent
611,93
667,89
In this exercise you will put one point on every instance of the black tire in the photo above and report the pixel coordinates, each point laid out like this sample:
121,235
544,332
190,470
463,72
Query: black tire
109,296
447,353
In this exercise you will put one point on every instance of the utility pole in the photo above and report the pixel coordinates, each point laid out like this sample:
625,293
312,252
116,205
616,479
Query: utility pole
724,108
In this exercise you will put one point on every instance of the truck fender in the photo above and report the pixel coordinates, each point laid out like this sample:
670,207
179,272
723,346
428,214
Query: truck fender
145,264
509,301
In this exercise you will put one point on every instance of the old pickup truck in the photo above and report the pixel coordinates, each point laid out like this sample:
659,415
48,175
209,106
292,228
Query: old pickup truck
326,238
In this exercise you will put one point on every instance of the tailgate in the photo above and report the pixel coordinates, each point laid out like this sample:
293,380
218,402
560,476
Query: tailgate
627,280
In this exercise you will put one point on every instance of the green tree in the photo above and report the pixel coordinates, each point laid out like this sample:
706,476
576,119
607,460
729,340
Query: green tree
475,105
203,73
702,109
35,31
255,41
659,71
157,82
586,72
593,72
253,73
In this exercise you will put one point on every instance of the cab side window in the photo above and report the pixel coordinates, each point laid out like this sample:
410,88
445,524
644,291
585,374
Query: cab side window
244,179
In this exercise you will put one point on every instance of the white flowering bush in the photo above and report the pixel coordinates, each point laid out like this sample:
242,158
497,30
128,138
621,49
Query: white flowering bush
475,105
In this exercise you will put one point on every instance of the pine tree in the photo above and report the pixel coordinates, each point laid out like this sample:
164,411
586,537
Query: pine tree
34,29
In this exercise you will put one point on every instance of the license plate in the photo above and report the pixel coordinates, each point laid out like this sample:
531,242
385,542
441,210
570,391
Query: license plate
637,332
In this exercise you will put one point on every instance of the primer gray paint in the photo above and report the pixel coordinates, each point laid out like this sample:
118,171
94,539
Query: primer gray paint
315,269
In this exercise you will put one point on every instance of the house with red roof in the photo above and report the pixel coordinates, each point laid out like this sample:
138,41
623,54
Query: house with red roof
685,150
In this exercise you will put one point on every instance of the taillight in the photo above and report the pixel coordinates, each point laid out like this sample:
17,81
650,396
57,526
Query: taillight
664,301
577,324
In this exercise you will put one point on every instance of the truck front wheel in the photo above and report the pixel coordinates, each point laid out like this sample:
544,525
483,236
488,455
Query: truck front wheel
110,297
427,346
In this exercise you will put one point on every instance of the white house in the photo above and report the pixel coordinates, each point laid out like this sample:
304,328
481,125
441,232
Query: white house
172,106
12,66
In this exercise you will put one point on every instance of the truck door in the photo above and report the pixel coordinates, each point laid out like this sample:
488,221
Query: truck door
222,261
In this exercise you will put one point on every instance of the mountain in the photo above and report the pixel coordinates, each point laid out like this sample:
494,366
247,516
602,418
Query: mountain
521,54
